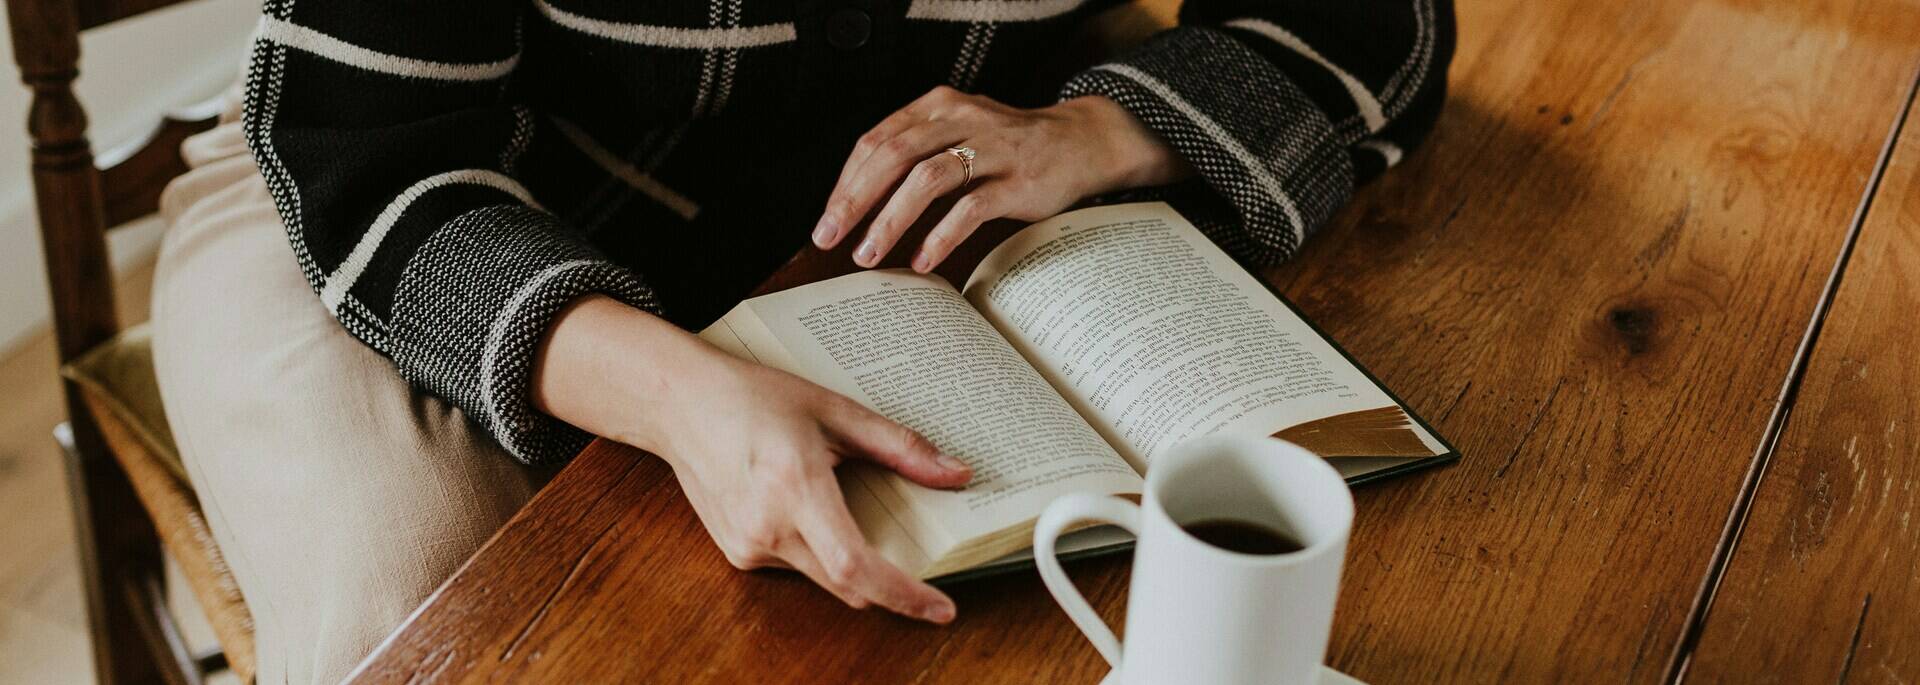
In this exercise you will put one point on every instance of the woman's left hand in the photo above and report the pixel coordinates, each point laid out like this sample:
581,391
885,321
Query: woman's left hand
1030,164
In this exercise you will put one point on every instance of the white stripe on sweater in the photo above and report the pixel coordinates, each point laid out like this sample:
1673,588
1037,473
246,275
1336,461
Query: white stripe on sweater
1255,168
990,10
356,262
521,138
1362,98
973,53
314,42
627,172
671,36
1391,152
1406,81
497,333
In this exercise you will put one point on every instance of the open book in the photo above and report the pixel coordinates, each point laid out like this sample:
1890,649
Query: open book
1079,350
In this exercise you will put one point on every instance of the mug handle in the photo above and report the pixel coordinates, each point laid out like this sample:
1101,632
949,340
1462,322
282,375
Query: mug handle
1061,514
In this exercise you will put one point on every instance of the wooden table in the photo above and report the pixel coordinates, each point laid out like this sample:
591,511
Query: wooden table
1606,277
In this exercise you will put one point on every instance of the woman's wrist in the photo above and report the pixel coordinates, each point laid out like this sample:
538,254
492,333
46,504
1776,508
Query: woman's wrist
615,371
1133,155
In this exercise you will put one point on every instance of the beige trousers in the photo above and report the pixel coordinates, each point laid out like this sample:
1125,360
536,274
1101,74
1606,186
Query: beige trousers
340,495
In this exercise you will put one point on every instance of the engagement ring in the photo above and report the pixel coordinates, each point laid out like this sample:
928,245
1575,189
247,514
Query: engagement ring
965,155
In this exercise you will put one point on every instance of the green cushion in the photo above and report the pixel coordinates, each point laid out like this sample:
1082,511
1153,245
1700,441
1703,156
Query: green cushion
119,375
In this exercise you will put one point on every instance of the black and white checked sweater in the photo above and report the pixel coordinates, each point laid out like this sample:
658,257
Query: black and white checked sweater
452,172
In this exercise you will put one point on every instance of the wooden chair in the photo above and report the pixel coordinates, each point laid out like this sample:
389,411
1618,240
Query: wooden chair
131,497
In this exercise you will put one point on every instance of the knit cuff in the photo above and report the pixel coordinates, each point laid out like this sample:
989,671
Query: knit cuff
1256,140
474,302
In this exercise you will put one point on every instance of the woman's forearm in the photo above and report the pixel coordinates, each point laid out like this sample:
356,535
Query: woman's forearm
1134,156
613,370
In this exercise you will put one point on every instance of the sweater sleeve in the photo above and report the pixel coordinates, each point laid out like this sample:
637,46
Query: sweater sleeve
1282,107
386,138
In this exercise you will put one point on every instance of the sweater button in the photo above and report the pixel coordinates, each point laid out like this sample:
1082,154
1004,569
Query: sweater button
849,28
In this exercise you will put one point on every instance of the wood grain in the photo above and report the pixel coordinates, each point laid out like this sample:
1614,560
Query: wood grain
1592,279
1825,583
634,568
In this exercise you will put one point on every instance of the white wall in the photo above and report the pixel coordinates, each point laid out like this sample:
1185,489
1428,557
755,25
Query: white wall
131,73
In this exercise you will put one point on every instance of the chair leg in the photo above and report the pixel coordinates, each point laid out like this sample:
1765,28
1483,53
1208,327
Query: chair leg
159,631
117,542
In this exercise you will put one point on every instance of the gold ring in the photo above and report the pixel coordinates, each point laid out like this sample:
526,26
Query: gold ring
965,155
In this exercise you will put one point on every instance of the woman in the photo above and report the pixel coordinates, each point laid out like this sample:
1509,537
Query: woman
512,212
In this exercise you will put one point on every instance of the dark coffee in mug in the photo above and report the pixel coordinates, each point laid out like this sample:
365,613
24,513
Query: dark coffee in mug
1245,537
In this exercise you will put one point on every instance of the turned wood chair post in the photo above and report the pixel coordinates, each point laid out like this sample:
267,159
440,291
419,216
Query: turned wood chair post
119,549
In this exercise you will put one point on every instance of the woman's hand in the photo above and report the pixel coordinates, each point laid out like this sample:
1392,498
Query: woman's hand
754,448
756,458
1031,164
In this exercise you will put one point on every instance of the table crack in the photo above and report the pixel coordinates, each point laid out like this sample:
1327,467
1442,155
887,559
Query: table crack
1456,401
1531,427
934,660
1853,645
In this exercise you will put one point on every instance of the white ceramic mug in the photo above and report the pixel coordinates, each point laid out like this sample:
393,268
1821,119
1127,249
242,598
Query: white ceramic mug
1197,613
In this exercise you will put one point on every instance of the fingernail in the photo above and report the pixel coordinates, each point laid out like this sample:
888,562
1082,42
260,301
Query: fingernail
867,254
951,464
823,232
921,263
939,613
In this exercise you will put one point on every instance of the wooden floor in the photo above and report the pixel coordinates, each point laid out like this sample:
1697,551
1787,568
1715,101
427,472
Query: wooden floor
42,623
43,636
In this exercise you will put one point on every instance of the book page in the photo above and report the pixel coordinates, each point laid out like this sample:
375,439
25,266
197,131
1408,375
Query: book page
1156,335
909,347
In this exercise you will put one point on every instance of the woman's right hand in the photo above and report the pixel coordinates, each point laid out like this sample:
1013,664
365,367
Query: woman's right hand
753,447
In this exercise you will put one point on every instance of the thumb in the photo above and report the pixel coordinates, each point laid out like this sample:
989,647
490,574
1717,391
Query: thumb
877,439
